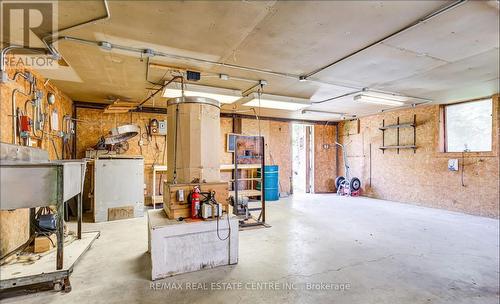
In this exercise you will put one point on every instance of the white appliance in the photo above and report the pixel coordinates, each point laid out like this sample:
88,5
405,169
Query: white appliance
118,183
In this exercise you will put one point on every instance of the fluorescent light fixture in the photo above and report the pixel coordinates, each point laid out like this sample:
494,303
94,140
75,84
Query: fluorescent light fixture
328,114
277,102
378,99
221,95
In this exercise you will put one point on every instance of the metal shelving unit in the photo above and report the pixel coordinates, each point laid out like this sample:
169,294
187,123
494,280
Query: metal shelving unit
261,219
399,126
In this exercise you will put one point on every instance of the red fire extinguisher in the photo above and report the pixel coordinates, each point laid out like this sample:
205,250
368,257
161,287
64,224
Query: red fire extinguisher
195,202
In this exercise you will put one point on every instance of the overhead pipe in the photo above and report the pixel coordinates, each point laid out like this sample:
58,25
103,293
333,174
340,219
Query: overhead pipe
50,39
413,24
104,44
50,46
3,55
290,120
179,57
207,75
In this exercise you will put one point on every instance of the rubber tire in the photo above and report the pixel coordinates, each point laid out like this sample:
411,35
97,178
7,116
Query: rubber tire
338,181
355,184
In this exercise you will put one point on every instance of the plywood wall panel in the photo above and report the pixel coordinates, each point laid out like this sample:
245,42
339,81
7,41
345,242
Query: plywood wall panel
279,150
423,177
226,126
14,225
226,158
278,137
94,123
324,158
278,146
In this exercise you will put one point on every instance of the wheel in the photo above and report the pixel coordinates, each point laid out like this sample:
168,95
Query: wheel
58,286
67,285
355,184
338,181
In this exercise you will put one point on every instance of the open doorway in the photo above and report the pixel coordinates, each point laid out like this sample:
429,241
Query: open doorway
302,158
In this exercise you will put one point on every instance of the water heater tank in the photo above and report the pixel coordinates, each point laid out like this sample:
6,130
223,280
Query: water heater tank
193,139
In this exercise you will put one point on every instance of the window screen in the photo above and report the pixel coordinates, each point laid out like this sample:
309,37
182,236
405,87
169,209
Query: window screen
468,126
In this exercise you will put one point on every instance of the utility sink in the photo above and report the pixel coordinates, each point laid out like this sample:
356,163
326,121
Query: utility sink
28,182
35,184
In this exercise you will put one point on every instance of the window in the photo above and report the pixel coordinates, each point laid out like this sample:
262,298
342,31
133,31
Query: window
468,126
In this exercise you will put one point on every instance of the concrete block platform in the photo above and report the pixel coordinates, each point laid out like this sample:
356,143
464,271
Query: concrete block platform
179,246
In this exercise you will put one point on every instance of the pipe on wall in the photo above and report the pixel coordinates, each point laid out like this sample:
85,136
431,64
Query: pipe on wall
14,114
3,54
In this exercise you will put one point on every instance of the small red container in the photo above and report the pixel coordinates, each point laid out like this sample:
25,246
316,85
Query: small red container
25,123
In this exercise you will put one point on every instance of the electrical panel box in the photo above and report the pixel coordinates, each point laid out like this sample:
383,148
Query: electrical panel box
453,164
162,127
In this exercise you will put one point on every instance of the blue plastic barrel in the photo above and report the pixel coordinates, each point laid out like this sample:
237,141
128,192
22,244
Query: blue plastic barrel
271,183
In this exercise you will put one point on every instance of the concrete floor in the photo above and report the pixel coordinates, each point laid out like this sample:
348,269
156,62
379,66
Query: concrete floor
376,251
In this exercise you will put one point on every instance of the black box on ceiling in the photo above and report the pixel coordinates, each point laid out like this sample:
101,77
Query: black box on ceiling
194,76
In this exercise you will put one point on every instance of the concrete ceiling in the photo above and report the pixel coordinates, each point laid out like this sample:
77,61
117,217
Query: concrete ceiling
451,57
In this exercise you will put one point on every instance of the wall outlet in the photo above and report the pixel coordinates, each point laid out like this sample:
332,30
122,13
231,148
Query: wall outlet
453,164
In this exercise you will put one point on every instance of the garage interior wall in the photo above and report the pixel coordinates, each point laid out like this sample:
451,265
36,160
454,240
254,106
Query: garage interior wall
422,178
278,136
94,123
325,166
14,225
